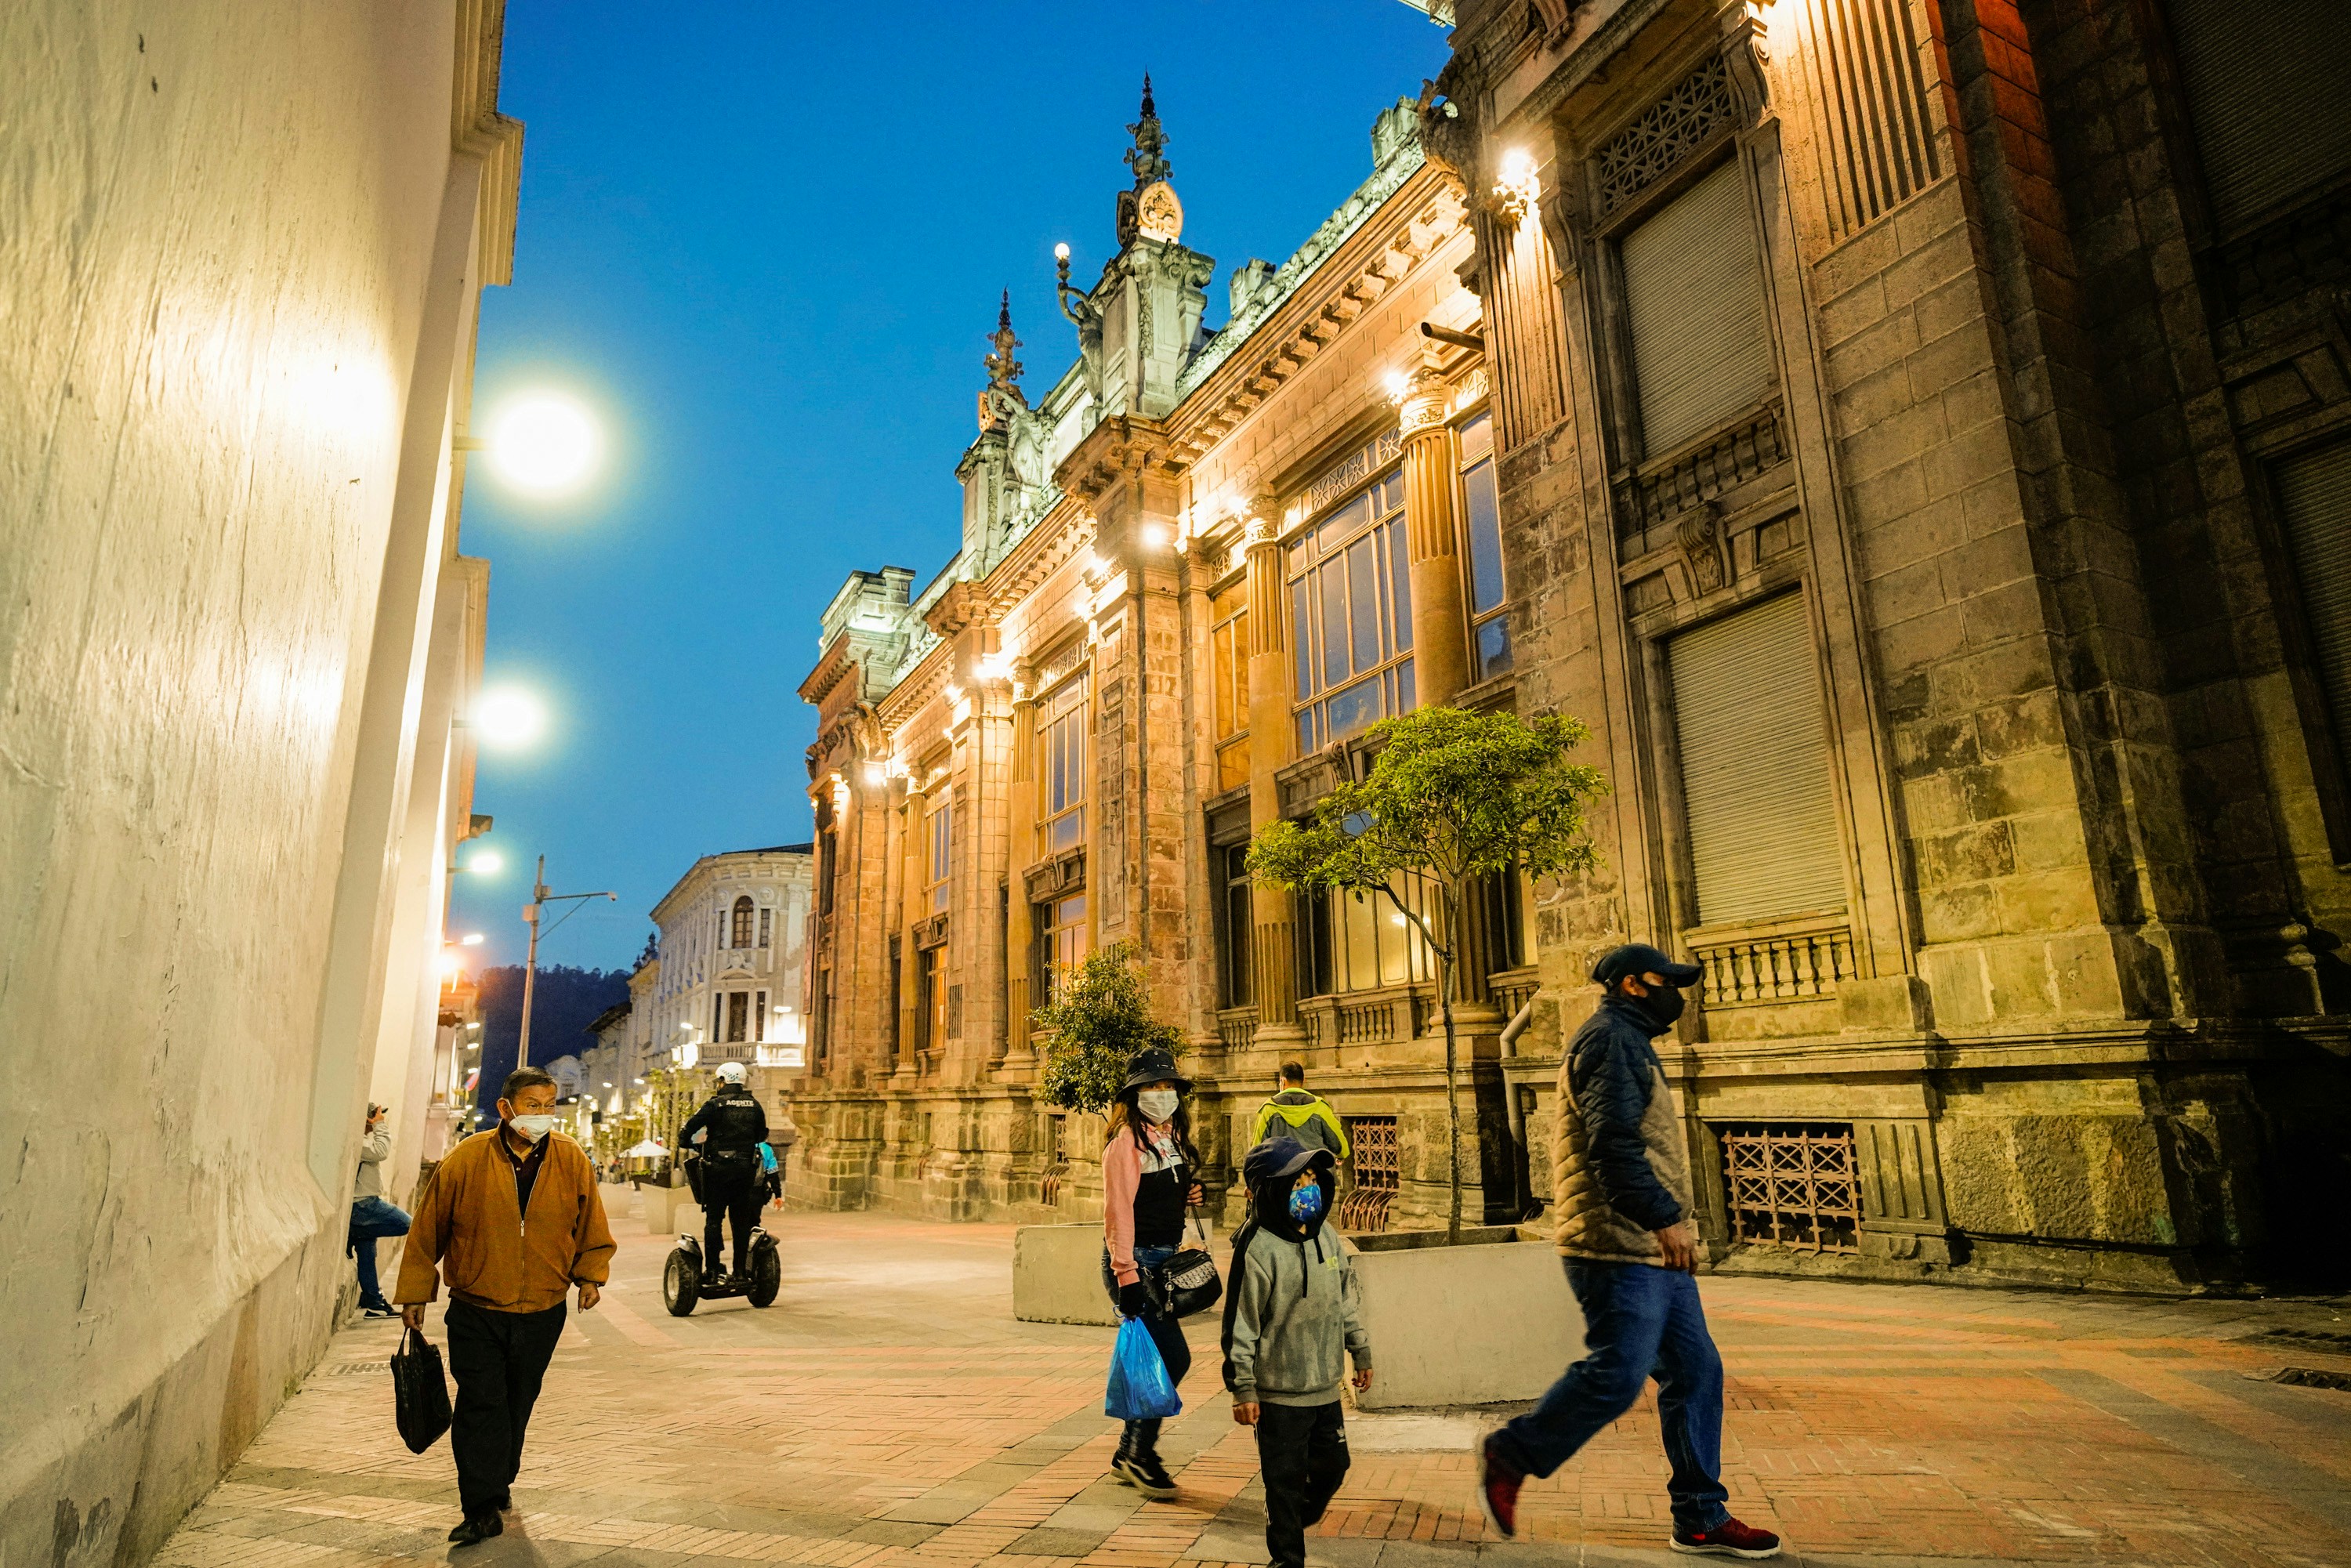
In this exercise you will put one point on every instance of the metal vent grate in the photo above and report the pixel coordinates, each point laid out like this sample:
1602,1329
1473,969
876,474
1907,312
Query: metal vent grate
1792,1184
1378,1169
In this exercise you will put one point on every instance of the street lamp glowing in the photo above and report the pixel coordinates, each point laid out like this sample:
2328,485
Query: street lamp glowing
452,963
470,939
507,719
544,443
1061,251
486,863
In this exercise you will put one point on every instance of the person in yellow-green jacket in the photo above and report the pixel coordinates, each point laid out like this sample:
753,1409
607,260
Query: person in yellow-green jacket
1307,1117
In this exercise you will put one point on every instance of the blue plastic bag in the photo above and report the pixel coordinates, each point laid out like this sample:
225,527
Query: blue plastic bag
1139,1388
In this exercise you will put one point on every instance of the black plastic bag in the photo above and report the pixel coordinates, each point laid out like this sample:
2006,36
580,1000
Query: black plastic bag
420,1393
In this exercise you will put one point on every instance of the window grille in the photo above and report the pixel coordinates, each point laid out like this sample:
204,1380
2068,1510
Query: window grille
1792,1184
1057,1159
1378,1170
1672,128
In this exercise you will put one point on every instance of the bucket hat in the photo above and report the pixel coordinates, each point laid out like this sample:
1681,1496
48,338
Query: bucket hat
1154,1066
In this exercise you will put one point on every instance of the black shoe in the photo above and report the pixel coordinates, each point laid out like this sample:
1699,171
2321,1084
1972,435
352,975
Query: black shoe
472,1531
385,1311
1146,1475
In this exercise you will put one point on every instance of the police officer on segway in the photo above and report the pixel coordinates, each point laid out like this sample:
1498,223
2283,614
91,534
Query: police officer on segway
732,1126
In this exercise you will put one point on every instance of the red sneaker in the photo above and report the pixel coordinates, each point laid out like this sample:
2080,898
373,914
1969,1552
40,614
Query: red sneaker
1497,1488
1728,1539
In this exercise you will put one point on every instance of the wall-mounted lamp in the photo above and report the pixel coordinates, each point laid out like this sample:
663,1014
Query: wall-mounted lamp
1515,187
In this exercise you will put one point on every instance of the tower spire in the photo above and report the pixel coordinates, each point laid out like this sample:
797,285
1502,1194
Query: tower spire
1147,157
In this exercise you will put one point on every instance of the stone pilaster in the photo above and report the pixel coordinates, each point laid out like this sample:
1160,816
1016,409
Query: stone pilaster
1440,636
1273,738
1020,1059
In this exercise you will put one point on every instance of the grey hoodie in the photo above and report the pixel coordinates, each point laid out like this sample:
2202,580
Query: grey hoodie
1295,1308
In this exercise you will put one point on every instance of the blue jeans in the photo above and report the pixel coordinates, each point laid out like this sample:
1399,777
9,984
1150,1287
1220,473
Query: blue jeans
373,1217
1639,1323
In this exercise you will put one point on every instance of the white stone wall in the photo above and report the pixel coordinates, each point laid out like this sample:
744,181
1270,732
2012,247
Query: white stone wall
238,264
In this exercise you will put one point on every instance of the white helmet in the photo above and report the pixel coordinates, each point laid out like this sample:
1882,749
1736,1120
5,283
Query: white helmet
731,1072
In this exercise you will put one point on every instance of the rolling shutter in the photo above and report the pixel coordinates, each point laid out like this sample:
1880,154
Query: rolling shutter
1695,307
1756,791
2314,493
2266,92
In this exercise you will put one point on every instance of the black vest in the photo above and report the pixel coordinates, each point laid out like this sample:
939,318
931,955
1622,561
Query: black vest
734,1124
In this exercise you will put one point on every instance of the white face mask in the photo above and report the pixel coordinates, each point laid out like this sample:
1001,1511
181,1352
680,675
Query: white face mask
1156,1104
532,1127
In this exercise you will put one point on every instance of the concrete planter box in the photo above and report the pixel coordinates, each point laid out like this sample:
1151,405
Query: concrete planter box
1480,1324
1057,1275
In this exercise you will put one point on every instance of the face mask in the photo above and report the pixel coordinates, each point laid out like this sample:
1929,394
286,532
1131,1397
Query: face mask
1306,1203
532,1127
1664,1003
1156,1104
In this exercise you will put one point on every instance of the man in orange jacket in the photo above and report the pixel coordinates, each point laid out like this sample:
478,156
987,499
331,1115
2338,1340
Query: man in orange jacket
513,1219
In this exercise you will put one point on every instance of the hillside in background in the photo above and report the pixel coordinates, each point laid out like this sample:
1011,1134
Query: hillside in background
565,1002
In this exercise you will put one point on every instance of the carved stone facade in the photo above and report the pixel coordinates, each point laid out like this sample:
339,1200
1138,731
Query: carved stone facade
1998,486
1058,741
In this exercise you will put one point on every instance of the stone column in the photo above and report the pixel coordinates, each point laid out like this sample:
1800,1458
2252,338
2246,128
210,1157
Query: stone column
1440,630
914,837
1019,1060
1273,734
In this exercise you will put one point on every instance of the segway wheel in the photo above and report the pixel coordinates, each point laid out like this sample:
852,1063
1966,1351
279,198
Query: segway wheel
767,1272
681,1284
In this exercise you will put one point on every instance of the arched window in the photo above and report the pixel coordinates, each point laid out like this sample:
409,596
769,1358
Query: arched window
742,922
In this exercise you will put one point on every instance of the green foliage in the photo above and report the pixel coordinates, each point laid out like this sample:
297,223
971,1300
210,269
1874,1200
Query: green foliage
1453,796
1100,1017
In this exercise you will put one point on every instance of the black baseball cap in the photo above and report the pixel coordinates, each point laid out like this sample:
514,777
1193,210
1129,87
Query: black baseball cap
1640,958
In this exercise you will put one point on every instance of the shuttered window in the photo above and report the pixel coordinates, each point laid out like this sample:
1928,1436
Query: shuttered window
1756,791
1694,304
2314,495
2266,95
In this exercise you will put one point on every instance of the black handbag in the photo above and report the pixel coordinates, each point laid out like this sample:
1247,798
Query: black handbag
420,1393
1188,1282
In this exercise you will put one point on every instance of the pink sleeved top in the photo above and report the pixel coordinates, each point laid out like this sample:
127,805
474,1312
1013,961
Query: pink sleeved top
1124,1165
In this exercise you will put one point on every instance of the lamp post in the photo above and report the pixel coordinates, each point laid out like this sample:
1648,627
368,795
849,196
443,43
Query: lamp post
539,899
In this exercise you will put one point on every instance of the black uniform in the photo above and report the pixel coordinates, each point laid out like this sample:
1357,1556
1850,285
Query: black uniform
732,1184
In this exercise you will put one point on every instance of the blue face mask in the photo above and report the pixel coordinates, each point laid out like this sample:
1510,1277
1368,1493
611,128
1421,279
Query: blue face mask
1306,1203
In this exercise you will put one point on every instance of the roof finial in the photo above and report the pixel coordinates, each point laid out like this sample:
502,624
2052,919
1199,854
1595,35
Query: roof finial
1003,394
1146,156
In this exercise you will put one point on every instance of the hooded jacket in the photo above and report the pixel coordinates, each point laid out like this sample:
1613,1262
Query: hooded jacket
1291,1313
1305,1117
1620,1165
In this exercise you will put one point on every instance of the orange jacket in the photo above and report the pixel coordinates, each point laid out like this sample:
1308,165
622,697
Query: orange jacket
492,1254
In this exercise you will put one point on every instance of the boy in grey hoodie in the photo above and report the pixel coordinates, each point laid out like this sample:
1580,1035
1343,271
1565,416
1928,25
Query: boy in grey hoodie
1290,1314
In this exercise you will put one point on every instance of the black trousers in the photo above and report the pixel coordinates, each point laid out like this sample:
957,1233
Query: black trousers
1302,1449
728,1195
498,1360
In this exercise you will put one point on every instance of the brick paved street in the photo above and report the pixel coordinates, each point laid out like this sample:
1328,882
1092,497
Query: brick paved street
890,1411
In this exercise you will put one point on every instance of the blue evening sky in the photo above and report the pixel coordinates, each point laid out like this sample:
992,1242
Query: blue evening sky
765,241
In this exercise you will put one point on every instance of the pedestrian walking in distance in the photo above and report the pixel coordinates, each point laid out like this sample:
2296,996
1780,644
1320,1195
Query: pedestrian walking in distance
1148,1182
1622,1185
1305,1117
373,1216
731,1126
514,1220
1290,1327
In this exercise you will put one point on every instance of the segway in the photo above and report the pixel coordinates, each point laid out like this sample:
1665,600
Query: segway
682,1286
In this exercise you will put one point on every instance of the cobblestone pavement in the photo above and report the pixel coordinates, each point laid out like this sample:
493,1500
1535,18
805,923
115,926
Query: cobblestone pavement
888,1410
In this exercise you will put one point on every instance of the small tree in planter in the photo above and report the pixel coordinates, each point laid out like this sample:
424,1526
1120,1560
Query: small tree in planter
1100,1016
1453,797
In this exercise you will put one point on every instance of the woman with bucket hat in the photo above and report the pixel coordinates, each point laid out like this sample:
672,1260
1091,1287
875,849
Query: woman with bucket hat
1149,1167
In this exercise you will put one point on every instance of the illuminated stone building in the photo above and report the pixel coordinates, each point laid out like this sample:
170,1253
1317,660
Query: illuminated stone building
1926,461
1914,436
1063,738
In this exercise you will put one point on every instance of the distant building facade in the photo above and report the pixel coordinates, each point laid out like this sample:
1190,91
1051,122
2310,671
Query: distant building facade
728,983
1913,436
